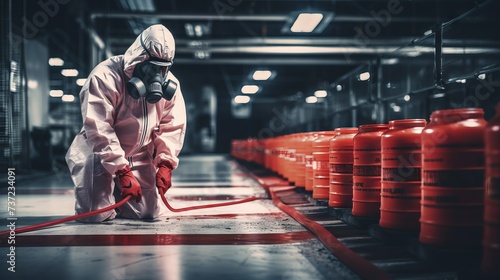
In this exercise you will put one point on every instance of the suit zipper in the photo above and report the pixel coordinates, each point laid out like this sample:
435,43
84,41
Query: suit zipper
144,131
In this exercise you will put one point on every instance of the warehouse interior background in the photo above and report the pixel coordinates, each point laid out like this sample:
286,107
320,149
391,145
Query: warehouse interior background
367,61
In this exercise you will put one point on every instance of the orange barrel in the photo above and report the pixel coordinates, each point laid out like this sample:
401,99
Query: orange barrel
284,158
401,168
267,152
292,157
259,151
300,167
274,154
321,170
452,178
287,159
366,170
310,160
282,155
341,161
491,238
271,153
250,155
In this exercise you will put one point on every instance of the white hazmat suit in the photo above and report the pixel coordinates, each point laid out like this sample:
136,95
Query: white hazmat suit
119,130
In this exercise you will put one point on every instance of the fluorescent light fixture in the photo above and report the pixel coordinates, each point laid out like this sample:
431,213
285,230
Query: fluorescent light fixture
81,82
407,97
68,98
250,89
390,61
189,29
306,22
438,95
339,87
481,76
461,81
202,54
428,32
320,93
56,93
311,99
413,54
32,84
198,30
262,75
56,61
241,99
396,109
69,72
365,76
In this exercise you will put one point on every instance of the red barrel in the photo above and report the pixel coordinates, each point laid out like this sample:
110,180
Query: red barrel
401,168
321,170
300,176
341,161
366,170
289,159
452,178
308,156
491,239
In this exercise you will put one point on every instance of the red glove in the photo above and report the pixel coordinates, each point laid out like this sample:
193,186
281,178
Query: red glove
164,177
129,184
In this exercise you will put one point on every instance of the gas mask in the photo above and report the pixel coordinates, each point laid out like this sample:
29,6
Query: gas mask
148,81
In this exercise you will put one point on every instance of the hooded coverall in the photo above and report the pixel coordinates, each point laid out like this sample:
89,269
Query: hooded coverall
119,131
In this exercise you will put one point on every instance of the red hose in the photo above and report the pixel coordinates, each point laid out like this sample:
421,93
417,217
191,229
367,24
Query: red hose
67,219
358,264
123,201
162,194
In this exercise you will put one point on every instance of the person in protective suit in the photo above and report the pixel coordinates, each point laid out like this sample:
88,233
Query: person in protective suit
134,121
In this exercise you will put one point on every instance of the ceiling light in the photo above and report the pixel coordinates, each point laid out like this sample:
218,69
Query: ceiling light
339,87
69,72
390,61
481,76
189,29
56,61
320,93
438,95
202,54
428,32
32,84
261,75
56,93
241,99
311,99
364,76
68,98
407,97
81,82
250,89
306,22
396,109
198,30
461,81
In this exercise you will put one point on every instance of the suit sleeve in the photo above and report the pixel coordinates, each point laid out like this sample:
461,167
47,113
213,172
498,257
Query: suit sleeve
98,98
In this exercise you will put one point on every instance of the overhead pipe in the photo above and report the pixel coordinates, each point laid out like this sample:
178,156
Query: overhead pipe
275,41
337,18
269,61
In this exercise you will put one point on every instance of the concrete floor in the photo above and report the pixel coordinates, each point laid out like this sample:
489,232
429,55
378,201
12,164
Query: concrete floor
254,240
